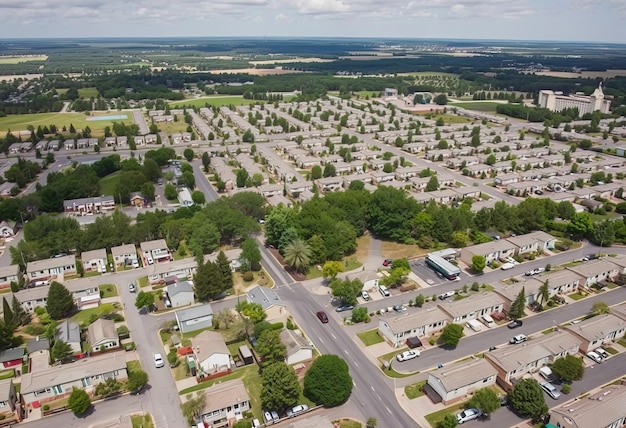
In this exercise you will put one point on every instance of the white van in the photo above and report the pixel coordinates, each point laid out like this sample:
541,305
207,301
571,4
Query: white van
489,322
546,373
474,325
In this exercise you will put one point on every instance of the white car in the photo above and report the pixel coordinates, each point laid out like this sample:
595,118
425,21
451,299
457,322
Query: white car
468,415
507,266
603,354
535,271
407,355
384,291
158,361
365,295
595,357
518,339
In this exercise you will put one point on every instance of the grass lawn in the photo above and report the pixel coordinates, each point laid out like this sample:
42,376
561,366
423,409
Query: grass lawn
241,373
486,106
108,290
394,250
349,263
348,423
370,337
576,296
434,419
142,421
109,183
18,59
20,122
7,374
143,281
217,101
88,93
133,365
252,382
259,278
370,94
414,390
82,317
174,127
452,118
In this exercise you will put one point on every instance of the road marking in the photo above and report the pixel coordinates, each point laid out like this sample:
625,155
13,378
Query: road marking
357,366
372,388
334,337
388,410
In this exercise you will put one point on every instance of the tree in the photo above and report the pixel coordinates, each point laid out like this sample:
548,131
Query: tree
517,307
242,177
107,388
224,318
451,335
544,292
280,387
189,154
206,161
528,400
599,308
170,191
441,99
316,172
60,302
137,379
252,311
449,421
328,381
360,314
569,368
433,184
20,316
208,281
198,197
270,348
371,422
226,273
478,263
485,399
250,254
346,290
331,269
194,406
61,350
9,317
298,255
144,299
79,401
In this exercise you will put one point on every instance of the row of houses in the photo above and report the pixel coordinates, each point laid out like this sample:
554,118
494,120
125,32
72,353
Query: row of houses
533,242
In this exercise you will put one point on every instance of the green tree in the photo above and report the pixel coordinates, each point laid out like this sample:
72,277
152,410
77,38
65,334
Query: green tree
449,421
20,316
485,399
569,368
516,310
137,379
441,99
329,170
107,388
79,401
242,177
250,254
189,154
599,308
60,302
528,400
270,348
433,184
298,255
371,422
478,263
170,191
316,172
9,317
451,335
580,225
194,406
144,299
226,273
331,269
61,350
252,311
208,281
360,314
346,290
206,161
544,292
280,387
198,197
328,381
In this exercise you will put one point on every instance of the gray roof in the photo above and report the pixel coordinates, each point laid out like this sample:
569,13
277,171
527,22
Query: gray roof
7,271
490,247
599,410
123,250
11,354
37,344
50,263
94,254
225,394
60,375
157,244
74,286
101,330
266,297
208,343
413,320
5,389
471,304
598,327
293,341
68,331
464,373
179,287
595,267
194,312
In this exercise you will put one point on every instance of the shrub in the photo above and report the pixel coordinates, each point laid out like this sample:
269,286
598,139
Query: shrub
360,315
290,324
247,276
46,407
567,388
277,326
475,286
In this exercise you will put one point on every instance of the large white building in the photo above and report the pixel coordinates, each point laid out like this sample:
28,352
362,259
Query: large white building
556,101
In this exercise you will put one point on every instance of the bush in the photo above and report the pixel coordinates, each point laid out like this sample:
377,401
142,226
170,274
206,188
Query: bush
46,407
247,276
360,315
34,330
277,326
290,324
566,388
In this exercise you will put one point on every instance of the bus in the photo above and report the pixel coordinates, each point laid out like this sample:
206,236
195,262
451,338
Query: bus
443,266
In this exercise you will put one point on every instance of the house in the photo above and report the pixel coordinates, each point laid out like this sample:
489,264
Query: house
7,228
532,242
395,329
180,294
95,260
513,362
596,331
12,357
269,301
37,344
44,383
472,307
69,332
182,269
125,255
136,199
69,144
329,184
455,381
596,271
369,278
9,402
9,274
55,268
604,408
224,404
298,348
194,318
559,282
81,289
102,334
211,353
492,251
155,252
85,206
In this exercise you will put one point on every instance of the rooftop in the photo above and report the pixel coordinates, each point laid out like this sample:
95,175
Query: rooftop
464,373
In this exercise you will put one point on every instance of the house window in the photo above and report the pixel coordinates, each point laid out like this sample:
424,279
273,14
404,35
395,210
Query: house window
86,381
42,392
57,389
3,404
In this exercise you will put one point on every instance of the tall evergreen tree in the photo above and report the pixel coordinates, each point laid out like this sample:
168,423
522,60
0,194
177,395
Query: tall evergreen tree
517,307
208,281
60,302
226,273
19,314
9,318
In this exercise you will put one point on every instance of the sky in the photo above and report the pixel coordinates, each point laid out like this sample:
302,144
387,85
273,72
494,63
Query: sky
563,20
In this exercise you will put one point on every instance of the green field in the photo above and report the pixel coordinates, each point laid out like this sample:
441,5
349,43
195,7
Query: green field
109,183
486,106
452,118
213,101
20,122
370,94
88,92
18,59
429,74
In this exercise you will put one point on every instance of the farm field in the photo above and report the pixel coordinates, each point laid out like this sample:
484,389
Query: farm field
18,59
20,122
213,101
88,92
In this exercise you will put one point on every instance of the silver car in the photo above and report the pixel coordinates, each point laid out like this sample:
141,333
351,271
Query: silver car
550,390
468,415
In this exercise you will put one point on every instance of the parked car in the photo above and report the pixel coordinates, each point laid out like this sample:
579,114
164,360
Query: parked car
399,308
384,291
407,355
510,260
468,415
507,266
296,410
268,418
550,390
535,271
344,308
275,416
132,288
595,357
515,324
518,339
538,192
365,295
322,316
158,361
444,296
588,257
602,353
387,262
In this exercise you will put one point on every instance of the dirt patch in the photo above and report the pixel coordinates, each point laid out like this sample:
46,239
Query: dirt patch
393,250
363,247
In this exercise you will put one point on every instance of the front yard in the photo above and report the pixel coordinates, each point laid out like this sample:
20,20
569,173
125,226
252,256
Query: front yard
370,337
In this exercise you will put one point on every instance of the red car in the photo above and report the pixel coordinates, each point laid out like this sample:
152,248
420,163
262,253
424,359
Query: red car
387,262
322,316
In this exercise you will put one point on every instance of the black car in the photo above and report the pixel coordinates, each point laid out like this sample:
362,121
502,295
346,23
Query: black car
344,308
515,324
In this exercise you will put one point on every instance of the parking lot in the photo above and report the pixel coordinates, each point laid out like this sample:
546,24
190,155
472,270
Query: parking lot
420,269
